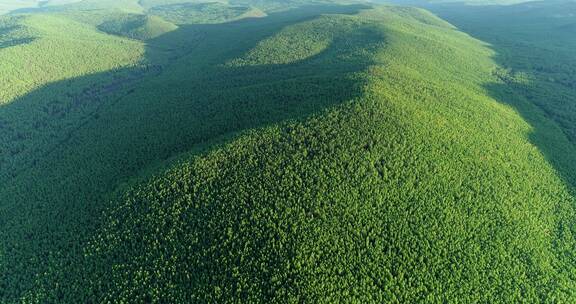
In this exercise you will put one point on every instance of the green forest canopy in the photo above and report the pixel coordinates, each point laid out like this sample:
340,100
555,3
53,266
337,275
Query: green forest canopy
335,152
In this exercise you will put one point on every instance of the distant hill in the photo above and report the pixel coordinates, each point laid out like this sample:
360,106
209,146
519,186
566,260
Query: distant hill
7,6
206,13
483,2
457,2
140,27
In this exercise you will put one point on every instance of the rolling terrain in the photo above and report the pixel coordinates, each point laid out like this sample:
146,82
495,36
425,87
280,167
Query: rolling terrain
162,151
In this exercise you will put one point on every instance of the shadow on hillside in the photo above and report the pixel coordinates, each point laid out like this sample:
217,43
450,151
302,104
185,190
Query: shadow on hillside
6,35
526,41
66,146
15,42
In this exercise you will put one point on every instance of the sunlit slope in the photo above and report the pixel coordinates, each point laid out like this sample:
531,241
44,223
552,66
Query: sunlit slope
204,13
139,27
534,48
420,188
478,3
128,6
483,2
34,48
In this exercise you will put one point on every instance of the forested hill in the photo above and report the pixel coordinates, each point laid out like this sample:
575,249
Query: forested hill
533,48
171,151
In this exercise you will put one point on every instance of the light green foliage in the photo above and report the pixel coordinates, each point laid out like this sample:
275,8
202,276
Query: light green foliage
297,43
481,2
34,47
326,153
212,12
534,46
147,4
283,5
139,27
127,6
384,198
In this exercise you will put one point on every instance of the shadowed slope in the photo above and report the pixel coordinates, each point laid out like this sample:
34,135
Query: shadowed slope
127,120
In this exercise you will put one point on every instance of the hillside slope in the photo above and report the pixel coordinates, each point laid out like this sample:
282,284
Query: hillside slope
534,48
328,153
139,27
412,191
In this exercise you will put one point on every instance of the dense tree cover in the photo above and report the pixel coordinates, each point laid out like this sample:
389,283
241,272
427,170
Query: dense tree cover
123,134
320,154
535,48
33,47
13,33
283,5
212,12
134,26
481,2
36,116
